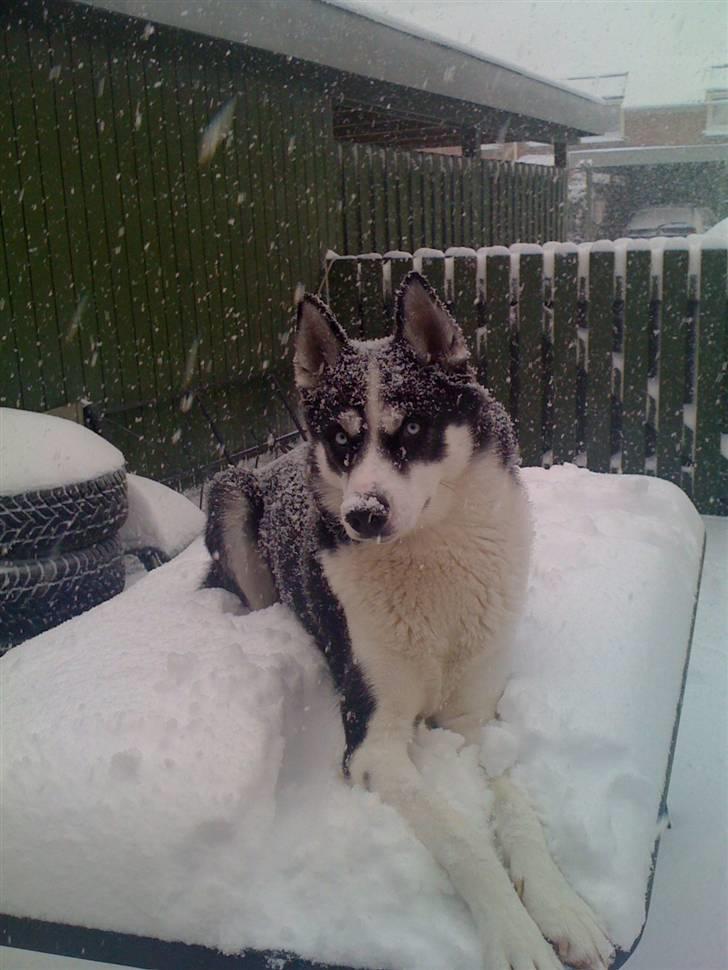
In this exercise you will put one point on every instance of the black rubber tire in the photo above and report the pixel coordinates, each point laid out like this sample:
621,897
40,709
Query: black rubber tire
47,523
36,595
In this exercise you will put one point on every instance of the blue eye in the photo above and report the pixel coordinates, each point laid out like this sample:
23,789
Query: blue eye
341,438
412,428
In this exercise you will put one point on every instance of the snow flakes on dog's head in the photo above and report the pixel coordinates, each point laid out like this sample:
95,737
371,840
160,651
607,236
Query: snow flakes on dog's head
422,370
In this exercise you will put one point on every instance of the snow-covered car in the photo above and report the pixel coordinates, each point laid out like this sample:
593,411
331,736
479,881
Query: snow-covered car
669,220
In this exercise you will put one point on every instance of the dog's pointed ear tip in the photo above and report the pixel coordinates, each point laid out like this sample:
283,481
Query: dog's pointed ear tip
414,276
309,305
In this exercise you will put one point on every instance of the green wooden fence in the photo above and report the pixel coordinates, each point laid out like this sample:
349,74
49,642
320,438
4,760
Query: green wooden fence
406,200
131,271
609,357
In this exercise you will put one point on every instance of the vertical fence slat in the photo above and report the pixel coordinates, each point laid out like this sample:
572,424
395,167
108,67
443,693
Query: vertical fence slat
671,365
565,295
433,267
498,326
350,159
371,295
414,177
426,169
464,297
599,360
379,200
397,268
435,238
466,203
343,292
710,481
634,378
405,206
366,214
390,173
530,369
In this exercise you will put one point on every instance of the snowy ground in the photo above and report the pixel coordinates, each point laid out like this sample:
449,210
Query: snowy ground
684,930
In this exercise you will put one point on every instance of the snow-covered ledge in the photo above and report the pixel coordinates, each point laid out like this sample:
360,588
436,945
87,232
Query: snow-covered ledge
171,766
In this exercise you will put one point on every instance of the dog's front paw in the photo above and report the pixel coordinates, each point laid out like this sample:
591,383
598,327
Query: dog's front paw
565,919
511,941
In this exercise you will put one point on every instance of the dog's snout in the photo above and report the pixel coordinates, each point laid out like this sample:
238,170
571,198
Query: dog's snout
368,517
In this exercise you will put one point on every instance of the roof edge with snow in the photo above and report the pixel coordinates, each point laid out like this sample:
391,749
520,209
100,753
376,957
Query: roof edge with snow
342,37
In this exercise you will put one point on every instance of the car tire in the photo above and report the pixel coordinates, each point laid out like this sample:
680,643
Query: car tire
38,594
47,523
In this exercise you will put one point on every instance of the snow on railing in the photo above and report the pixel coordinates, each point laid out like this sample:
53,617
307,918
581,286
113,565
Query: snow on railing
611,354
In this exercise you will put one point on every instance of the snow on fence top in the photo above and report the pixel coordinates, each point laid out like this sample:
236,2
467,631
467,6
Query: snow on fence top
600,350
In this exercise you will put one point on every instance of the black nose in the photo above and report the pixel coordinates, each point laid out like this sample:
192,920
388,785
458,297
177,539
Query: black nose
369,519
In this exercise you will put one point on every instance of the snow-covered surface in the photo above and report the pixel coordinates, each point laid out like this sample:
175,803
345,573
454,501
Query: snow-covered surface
39,451
159,517
171,765
719,232
686,926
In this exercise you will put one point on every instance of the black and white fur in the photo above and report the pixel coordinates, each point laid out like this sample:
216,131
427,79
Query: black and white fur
399,533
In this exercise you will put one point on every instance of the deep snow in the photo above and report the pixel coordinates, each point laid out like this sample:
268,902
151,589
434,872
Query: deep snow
193,791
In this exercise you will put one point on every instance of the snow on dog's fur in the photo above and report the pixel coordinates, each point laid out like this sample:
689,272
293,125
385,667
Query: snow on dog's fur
399,533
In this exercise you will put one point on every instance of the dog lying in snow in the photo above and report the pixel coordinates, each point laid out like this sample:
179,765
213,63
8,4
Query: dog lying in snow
399,533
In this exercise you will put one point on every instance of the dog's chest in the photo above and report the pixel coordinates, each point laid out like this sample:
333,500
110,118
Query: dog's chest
435,600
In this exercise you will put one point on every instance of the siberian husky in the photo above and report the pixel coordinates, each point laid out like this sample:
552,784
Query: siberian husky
399,533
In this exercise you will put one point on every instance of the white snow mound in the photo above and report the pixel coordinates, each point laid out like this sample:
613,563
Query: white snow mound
40,451
171,766
159,517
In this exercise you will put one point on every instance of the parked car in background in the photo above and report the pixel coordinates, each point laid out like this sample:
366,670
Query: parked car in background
669,220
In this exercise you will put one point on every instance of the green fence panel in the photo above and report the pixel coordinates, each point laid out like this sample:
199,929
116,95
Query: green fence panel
671,365
498,326
397,268
47,365
371,295
637,324
464,298
599,360
21,375
530,367
379,201
710,476
564,374
343,292
432,265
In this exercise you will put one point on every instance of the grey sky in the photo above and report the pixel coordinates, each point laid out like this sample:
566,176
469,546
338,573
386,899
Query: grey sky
666,45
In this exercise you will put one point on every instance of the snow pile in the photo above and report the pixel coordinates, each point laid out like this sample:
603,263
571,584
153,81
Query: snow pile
39,451
159,517
171,765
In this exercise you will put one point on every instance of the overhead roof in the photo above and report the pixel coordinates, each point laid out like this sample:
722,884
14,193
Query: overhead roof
648,155
502,100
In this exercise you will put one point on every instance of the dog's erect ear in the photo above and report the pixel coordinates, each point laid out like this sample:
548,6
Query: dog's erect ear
319,341
425,323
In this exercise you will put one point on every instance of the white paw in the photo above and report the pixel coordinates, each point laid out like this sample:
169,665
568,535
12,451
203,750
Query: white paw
511,940
565,919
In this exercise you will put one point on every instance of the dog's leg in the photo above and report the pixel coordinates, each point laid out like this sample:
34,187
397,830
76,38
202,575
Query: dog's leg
562,916
230,537
509,937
